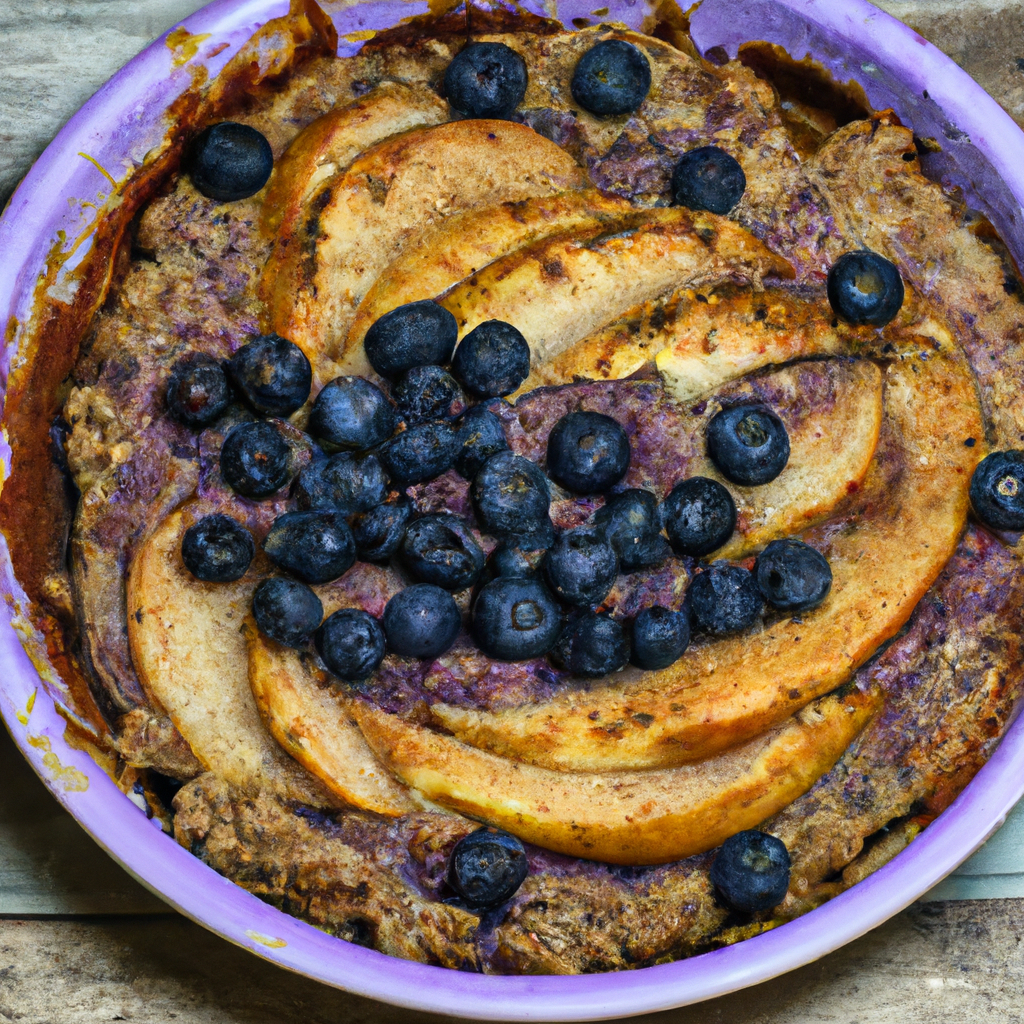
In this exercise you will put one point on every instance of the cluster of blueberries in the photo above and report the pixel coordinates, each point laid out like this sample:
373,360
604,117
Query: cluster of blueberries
348,510
351,506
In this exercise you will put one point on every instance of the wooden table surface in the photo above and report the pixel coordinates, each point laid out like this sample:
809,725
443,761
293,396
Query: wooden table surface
80,941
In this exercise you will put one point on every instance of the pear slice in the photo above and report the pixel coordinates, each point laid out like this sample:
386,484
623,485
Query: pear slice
560,290
330,143
358,222
188,645
897,534
312,721
465,243
644,817
831,448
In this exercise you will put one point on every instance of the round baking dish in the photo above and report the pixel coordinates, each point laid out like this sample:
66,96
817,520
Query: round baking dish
982,151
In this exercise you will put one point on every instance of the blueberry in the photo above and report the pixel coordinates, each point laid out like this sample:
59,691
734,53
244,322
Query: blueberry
515,619
197,391
286,610
511,559
492,360
511,496
997,490
699,516
441,549
255,460
581,566
725,599
708,179
612,77
660,637
749,444
793,577
416,334
315,546
427,393
217,549
750,872
588,452
351,644
230,161
630,521
864,288
343,483
421,621
487,867
273,375
421,452
379,532
594,646
486,80
351,413
481,435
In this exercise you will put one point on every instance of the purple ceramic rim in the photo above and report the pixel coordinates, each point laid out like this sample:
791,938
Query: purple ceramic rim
895,65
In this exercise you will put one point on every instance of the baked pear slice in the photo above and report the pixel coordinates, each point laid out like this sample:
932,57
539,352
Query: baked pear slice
359,222
465,243
312,720
642,817
831,448
885,552
560,290
330,143
188,645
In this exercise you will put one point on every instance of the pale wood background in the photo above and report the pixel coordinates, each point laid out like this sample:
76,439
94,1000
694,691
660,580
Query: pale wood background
81,942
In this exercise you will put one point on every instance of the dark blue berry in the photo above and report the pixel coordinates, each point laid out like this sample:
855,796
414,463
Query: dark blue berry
217,549
416,334
351,413
255,460
286,610
230,161
630,521
492,360
486,80
427,393
699,516
581,566
510,558
511,496
272,374
421,452
351,644
660,637
481,435
725,599
515,619
865,288
343,483
749,444
315,546
708,179
379,532
612,77
197,391
750,872
997,490
442,550
487,867
421,621
594,646
793,577
588,452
